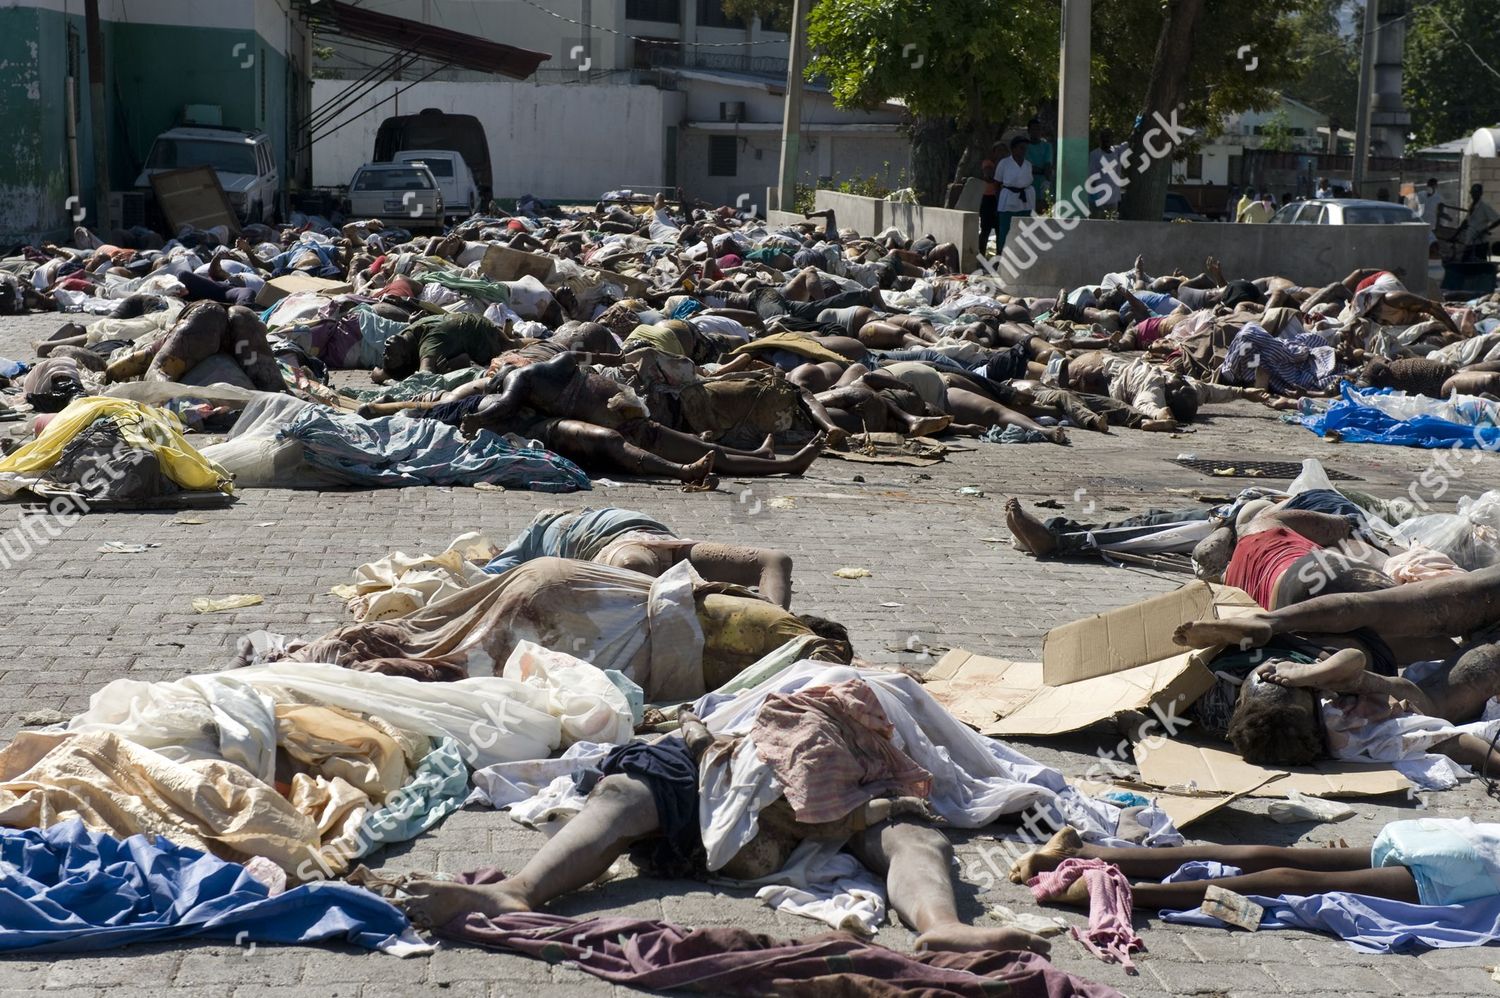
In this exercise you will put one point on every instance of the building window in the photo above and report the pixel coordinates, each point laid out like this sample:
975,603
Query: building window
649,53
664,11
723,156
711,15
1195,166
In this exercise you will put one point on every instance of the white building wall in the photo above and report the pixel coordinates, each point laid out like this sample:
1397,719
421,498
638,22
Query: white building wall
554,141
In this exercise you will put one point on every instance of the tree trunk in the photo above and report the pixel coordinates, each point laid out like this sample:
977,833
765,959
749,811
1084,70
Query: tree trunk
1145,196
929,159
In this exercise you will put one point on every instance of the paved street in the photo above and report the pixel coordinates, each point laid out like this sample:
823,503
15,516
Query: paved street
75,619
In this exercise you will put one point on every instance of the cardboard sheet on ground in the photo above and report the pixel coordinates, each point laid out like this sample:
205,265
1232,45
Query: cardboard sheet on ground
1182,808
278,288
1178,764
890,448
1091,669
193,196
501,263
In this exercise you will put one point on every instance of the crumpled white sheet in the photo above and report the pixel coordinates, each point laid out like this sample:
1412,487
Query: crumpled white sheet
528,713
537,791
820,881
400,583
1419,563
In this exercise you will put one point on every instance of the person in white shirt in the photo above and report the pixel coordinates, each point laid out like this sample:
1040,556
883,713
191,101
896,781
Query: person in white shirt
1017,197
1107,188
1324,191
1429,202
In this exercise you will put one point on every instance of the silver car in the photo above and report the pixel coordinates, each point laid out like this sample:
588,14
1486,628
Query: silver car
402,194
1344,211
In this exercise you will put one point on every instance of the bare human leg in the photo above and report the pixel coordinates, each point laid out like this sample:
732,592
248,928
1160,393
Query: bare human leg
620,812
917,861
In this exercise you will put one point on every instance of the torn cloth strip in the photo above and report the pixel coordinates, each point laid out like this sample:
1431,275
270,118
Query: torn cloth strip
660,956
1110,934
66,888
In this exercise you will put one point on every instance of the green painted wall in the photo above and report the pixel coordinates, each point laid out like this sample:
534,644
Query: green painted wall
151,72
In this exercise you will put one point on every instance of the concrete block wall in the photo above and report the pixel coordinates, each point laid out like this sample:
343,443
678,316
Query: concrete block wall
869,216
1484,171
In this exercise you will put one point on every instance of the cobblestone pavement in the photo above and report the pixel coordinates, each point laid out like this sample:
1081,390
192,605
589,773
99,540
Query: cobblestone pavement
75,619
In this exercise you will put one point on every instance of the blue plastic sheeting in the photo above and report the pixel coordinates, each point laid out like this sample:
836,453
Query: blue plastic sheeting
67,889
1358,423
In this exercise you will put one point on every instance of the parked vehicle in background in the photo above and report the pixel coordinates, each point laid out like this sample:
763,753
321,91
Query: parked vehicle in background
454,179
1177,208
242,159
1210,200
1344,211
434,129
403,194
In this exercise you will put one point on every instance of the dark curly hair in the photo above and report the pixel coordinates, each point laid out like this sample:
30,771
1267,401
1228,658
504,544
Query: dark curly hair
836,634
1276,726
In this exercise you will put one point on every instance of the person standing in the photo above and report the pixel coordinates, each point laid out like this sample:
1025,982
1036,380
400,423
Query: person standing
1476,232
1323,191
1017,198
1104,165
1246,200
1429,202
1040,155
1259,211
988,220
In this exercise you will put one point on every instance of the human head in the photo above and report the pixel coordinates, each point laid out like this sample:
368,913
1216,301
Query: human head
1432,183
1275,725
1322,183
400,356
1034,129
1182,400
1018,147
836,634
1476,192
1106,139
1266,196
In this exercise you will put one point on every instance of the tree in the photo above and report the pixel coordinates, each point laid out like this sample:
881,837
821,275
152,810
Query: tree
1329,60
1276,133
978,64
1452,74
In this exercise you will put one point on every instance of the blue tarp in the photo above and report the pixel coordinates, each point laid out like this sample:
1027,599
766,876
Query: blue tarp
1359,423
66,888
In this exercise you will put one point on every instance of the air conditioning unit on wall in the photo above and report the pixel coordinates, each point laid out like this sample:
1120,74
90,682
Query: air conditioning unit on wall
732,110
126,209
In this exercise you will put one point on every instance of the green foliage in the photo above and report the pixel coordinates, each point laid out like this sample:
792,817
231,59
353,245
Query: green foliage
1276,133
1448,88
1328,62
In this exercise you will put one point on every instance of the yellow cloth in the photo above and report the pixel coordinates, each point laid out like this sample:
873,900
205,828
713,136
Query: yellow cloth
657,337
1256,213
802,346
336,745
141,426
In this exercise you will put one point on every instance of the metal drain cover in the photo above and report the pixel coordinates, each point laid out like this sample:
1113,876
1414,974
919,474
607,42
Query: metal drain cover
1255,469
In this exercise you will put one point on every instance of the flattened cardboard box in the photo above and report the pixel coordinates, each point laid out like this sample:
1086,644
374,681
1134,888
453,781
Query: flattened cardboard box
1183,766
1091,669
278,288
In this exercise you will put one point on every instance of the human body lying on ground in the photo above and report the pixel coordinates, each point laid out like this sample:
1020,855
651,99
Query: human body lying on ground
676,635
1429,862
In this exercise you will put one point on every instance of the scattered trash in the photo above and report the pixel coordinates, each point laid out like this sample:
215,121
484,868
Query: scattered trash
995,540
187,521
972,490
1231,908
782,502
1048,504
857,478
213,604
853,573
40,716
268,523
488,487
344,591
122,547
892,605
1041,925
1300,807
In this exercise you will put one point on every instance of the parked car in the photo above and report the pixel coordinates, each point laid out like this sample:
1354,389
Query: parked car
1178,207
403,194
460,192
431,128
1344,211
242,158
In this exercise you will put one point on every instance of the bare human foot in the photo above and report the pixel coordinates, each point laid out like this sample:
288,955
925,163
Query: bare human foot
1030,535
927,425
1140,268
960,938
1057,435
1245,632
767,446
700,473
432,903
1212,268
1064,844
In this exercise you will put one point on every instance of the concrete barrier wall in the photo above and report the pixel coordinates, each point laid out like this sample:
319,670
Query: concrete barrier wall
1040,258
869,216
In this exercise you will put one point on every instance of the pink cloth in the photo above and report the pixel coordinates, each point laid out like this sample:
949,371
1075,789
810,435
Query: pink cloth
1111,935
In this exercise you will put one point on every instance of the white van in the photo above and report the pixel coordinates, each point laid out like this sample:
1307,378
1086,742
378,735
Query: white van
455,180
241,157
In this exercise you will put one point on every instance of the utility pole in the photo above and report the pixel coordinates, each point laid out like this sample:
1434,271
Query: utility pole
791,118
1366,92
94,38
1073,101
